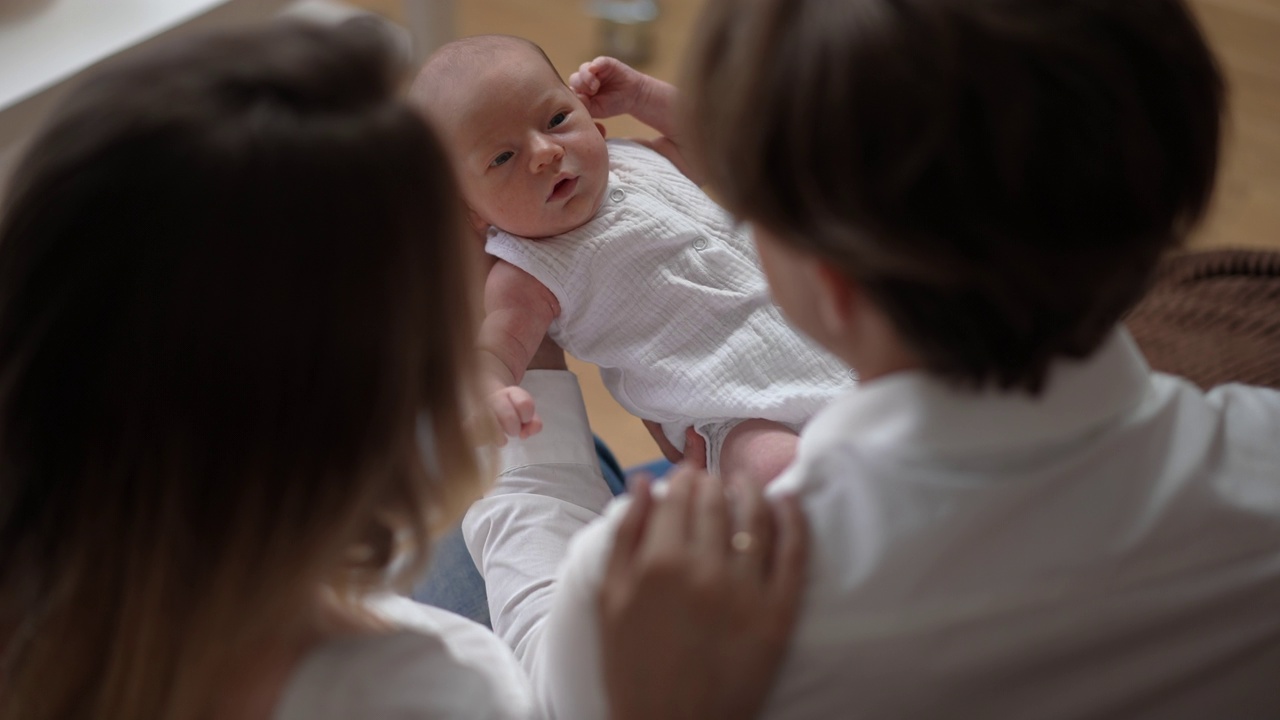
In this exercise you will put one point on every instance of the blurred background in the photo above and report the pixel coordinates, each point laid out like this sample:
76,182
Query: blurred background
44,43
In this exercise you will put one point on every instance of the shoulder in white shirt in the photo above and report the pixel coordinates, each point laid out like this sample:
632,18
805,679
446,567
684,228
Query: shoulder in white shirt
436,665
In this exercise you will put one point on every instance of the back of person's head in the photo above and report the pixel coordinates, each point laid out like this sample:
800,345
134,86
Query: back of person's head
231,287
999,176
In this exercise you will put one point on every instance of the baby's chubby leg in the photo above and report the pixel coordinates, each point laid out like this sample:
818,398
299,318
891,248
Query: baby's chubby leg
757,451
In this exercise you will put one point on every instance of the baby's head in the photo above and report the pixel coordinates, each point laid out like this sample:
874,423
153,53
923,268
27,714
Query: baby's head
528,157
997,177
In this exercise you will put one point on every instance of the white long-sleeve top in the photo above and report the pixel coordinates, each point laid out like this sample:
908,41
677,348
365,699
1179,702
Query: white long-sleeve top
1110,549
549,487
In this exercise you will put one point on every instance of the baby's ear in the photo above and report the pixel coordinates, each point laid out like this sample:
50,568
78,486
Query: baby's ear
603,133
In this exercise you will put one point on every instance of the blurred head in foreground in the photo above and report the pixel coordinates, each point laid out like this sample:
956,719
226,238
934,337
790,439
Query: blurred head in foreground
233,304
996,177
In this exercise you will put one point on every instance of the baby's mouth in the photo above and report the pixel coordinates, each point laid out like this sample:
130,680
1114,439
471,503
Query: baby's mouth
563,189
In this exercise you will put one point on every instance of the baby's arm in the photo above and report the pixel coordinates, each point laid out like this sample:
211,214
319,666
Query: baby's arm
518,311
610,87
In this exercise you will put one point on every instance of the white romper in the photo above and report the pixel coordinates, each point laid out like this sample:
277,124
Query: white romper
665,294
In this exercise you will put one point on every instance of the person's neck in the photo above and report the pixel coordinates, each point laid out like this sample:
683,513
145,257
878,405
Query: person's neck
881,364
875,350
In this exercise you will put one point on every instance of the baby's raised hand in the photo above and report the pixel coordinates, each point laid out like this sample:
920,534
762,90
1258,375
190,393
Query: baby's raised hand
513,408
609,87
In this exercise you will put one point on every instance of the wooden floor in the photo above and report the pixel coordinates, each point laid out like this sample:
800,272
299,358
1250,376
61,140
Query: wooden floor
1245,33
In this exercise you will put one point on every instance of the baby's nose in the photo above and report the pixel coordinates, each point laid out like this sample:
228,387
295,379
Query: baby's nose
545,152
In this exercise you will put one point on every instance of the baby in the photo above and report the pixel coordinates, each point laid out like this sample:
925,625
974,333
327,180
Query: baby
619,256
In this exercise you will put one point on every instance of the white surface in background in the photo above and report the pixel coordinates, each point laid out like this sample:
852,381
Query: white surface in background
44,43
57,38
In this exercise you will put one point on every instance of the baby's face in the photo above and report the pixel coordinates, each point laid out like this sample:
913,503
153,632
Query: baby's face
530,159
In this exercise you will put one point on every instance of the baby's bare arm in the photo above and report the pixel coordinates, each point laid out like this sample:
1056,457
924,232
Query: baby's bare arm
518,311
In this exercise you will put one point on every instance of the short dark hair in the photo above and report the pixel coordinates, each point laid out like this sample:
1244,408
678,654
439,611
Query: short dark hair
232,285
999,175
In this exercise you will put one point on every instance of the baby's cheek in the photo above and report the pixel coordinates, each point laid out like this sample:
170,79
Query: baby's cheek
513,201
601,151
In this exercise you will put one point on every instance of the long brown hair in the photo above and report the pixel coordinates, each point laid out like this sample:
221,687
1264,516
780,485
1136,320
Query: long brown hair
232,297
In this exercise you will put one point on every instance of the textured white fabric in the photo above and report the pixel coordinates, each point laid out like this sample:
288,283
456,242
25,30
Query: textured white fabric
1111,549
549,487
437,665
666,296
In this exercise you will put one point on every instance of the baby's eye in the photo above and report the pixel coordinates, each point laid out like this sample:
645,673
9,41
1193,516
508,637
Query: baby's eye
558,118
501,159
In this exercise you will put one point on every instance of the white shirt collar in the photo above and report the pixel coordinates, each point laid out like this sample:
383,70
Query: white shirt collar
920,414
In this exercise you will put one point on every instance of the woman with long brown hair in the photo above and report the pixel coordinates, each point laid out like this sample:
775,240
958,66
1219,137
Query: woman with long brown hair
236,322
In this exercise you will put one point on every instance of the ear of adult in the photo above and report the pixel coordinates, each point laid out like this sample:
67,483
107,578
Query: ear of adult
836,299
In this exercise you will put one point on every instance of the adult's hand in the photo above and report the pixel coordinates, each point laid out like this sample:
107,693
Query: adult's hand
695,448
699,600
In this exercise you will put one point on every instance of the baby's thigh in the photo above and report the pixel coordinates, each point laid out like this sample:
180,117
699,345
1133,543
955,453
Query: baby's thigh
756,451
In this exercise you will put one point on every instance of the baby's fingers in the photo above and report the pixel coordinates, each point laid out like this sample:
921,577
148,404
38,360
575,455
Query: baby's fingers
585,82
604,66
508,420
532,427
526,417
507,409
